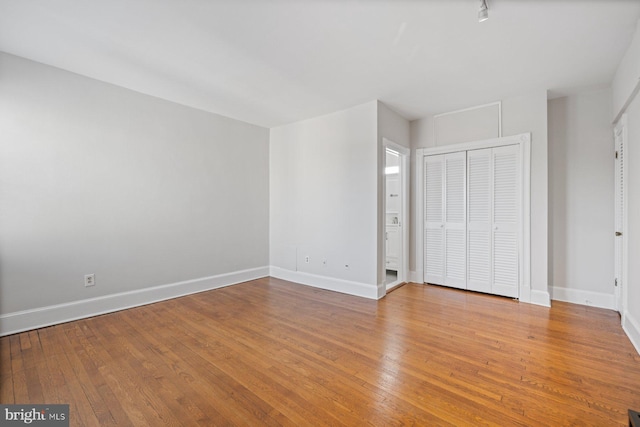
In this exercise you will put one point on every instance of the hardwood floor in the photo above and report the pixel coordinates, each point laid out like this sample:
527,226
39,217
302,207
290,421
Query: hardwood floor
269,352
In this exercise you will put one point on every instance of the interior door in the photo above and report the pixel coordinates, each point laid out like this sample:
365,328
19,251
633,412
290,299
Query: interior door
433,219
506,220
619,217
455,220
479,225
445,219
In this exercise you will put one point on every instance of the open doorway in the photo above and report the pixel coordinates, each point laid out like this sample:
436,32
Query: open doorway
396,210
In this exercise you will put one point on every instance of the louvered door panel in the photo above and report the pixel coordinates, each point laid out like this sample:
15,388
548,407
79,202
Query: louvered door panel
505,263
506,214
434,259
479,178
434,220
455,258
473,219
455,220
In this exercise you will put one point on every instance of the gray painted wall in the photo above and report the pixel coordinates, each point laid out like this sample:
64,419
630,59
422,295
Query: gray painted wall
581,195
142,192
324,195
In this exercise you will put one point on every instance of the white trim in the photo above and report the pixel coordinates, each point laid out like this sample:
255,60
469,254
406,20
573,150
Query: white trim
25,320
539,298
628,102
499,119
477,145
632,328
329,283
419,216
525,285
579,296
526,294
477,107
405,173
392,286
416,276
625,215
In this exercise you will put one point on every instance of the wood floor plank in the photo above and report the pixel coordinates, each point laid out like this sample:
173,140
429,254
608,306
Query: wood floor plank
57,390
6,377
272,392
20,391
80,409
269,352
229,355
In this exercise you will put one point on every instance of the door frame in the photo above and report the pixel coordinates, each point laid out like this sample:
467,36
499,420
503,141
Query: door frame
405,162
524,252
620,292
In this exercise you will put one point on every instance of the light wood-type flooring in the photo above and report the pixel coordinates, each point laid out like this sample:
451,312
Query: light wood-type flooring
269,352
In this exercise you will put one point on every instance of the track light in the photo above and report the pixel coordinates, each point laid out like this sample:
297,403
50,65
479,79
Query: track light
483,13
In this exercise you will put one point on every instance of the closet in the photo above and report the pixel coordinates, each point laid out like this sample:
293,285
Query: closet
473,219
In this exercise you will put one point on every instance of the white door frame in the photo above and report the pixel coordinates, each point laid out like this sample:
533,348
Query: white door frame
524,254
620,291
405,162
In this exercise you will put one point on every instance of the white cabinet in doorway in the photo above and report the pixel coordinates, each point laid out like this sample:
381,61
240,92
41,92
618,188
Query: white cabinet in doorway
392,246
473,219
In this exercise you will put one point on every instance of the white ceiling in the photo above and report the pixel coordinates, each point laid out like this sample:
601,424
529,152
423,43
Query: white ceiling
279,61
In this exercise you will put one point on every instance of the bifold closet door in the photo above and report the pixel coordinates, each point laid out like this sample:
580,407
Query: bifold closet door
479,226
506,220
455,220
434,219
494,218
445,220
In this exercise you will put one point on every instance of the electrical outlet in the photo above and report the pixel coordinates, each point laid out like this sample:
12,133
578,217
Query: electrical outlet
89,280
306,259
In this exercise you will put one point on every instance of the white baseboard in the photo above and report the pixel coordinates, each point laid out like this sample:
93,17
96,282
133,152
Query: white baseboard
579,296
632,328
532,297
25,320
540,298
416,277
329,283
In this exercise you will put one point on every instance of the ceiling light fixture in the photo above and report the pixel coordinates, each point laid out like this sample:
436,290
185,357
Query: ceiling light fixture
483,13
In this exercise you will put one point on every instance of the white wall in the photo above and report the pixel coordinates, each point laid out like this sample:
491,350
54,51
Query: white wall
581,171
527,113
624,89
324,201
394,128
631,314
142,192
474,124
627,77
